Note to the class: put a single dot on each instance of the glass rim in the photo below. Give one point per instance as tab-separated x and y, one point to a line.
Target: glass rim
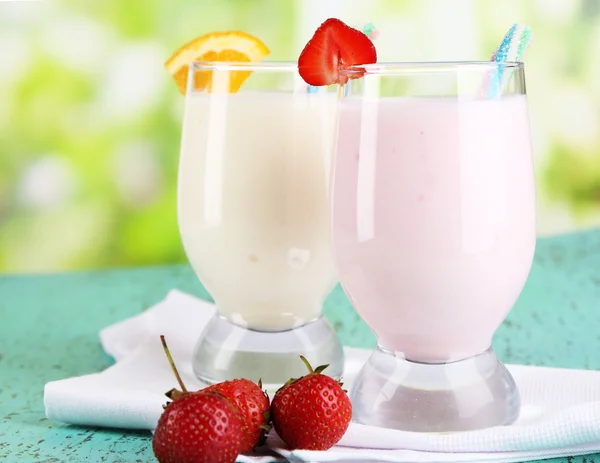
410	67
275	66
392	67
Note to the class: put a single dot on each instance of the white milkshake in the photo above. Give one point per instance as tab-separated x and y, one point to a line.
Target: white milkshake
253	203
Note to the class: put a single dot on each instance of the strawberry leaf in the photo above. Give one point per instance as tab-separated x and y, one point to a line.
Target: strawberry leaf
320	369
266	429
174	394
267	416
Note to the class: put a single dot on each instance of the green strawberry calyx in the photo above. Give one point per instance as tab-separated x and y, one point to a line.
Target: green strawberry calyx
311	371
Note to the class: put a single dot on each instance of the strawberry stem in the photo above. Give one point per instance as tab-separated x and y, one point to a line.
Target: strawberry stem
311	371
172	363
308	365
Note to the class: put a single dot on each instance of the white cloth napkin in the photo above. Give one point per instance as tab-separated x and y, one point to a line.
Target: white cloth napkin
560	412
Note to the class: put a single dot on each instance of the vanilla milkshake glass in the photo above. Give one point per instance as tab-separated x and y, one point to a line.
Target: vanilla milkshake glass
253	215
434	235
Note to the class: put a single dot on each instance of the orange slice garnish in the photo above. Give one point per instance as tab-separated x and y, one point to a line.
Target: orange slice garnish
216	46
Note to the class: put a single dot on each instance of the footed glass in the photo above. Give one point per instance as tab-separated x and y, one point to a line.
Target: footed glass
254	214
434	234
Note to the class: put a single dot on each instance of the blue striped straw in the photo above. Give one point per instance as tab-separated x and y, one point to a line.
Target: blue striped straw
516	41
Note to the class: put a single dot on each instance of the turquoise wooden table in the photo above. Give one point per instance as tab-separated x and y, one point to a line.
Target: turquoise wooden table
49	330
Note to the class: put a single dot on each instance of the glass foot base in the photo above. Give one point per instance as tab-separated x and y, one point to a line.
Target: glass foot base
227	351
474	393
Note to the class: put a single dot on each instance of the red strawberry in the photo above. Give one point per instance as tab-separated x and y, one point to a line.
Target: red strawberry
201	427
253	404
333	45
197	427
312	412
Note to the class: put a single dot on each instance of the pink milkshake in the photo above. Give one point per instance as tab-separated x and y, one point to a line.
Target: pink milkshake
434	226
433	234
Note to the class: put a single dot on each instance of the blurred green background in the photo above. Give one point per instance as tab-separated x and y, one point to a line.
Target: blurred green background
90	120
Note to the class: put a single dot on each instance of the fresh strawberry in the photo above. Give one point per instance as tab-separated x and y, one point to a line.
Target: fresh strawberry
334	45
312	412
199	427
253	404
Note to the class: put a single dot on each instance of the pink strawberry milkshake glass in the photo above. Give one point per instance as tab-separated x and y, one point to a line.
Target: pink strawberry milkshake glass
434	235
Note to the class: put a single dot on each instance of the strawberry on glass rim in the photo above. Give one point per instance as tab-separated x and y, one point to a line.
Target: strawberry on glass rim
334	46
